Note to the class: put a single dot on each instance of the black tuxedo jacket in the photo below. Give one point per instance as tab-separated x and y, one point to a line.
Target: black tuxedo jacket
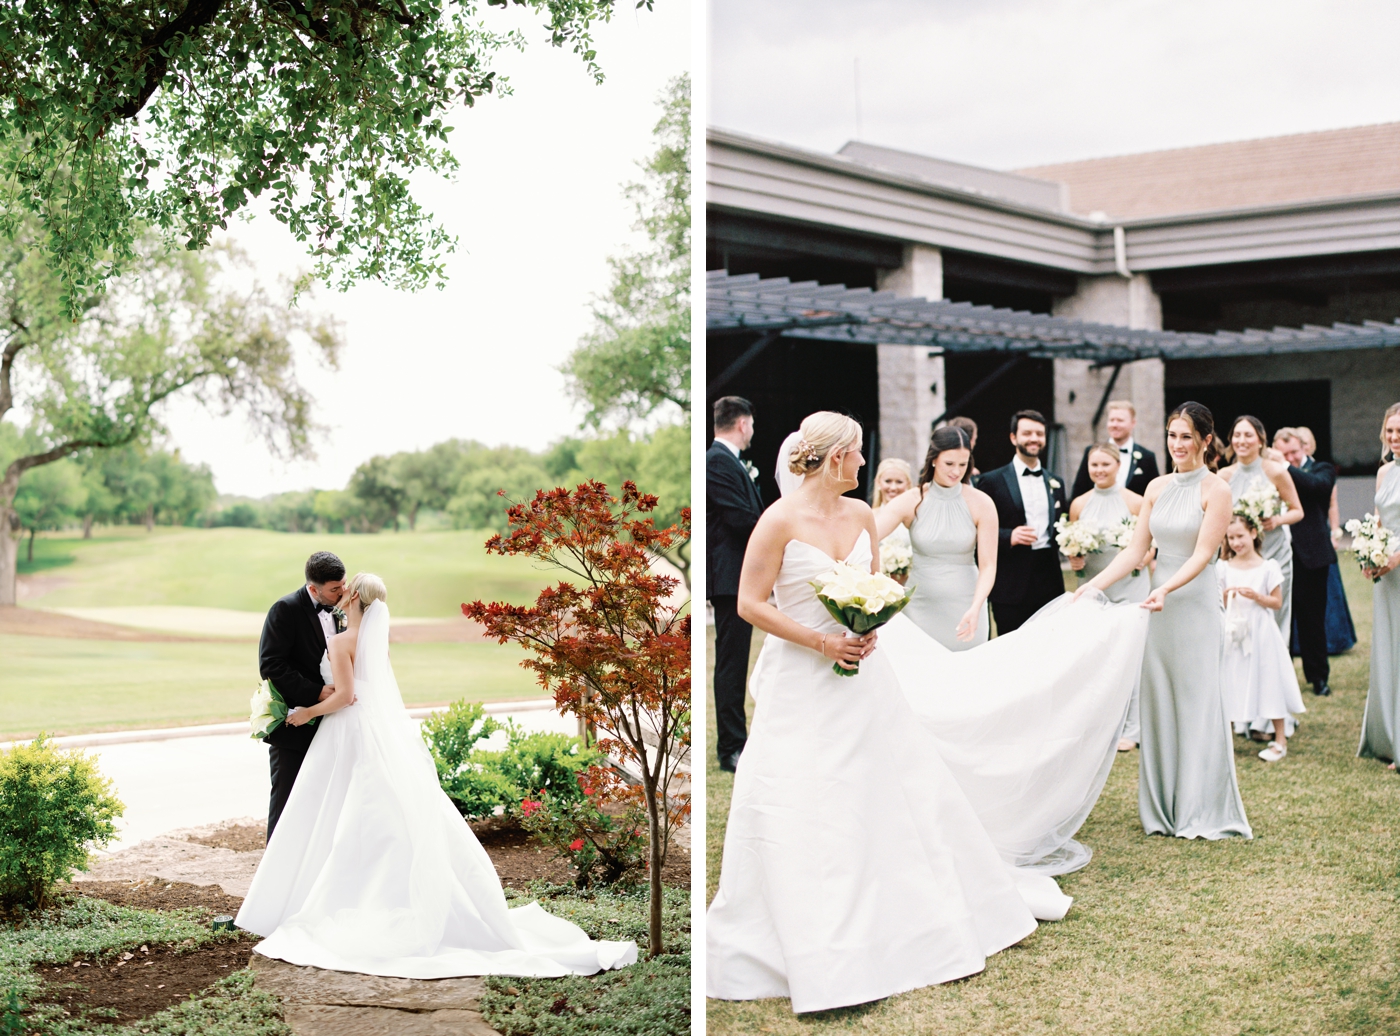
733	505
1312	537
1003	485
1144	471
289	654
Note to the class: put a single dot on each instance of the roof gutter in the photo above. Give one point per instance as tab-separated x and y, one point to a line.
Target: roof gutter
1120	253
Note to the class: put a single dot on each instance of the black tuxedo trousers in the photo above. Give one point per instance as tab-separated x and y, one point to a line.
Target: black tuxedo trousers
1044	583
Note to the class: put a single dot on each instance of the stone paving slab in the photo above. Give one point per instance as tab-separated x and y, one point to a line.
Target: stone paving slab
174	859
341	1002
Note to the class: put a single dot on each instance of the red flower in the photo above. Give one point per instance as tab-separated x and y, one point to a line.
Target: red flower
576	845
528	808
587	791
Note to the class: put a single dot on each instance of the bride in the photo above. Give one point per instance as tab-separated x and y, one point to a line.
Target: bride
879	839
371	868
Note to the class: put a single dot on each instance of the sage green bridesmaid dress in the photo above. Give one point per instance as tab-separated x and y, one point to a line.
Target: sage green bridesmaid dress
1186	783
944	570
1278	543
1106	507
1380	727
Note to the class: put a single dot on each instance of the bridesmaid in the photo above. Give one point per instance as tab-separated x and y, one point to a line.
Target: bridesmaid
953	530
1380	727
1186	783
892	479
1108	504
1251	471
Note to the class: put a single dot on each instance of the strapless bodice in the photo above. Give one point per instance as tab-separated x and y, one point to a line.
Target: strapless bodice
802	563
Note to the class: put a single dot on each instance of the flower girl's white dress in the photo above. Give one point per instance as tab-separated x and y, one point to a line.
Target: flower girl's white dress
1256	674
372	869
878	820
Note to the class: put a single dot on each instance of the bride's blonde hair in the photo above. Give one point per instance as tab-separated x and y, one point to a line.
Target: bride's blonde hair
822	434
370	588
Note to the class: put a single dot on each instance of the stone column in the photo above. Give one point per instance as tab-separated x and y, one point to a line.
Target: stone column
912	386
1129	303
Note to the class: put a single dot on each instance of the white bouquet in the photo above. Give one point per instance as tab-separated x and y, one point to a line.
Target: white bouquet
1123	535
1373	543
1076	539
860	600
268	711
895	557
1261	503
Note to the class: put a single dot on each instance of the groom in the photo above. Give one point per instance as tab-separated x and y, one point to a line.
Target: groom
1028	501
294	637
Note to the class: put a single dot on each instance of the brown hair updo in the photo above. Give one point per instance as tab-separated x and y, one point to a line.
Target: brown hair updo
949	437
1202	423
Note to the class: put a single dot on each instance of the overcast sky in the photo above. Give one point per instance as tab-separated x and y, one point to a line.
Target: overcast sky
1012	83
537	208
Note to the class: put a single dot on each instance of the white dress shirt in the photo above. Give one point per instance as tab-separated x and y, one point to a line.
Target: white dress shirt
1126	464
327	619
1035	498
729	446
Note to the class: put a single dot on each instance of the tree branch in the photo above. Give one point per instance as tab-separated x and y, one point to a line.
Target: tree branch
197	14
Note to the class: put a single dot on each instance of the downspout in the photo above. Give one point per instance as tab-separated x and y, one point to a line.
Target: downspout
1120	253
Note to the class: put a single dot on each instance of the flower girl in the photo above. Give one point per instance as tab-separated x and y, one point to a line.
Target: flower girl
1257	677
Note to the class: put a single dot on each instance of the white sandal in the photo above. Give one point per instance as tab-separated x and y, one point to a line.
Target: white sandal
1274	752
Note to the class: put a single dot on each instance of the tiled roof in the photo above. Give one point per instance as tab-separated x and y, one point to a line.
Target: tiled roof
1275	170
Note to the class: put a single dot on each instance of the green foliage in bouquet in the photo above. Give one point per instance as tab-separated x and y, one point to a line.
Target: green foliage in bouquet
484	783
53	804
861	601
600	831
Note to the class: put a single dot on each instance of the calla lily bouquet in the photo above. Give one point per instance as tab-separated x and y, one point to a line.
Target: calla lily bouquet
860	600
268	711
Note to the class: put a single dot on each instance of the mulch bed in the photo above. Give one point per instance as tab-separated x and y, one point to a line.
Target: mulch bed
148	982
519	861
241	838
158	895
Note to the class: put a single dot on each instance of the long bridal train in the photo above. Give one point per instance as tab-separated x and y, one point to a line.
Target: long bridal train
372	869
857	861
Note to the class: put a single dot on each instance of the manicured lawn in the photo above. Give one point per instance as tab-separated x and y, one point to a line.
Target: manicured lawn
75	686
428	573
1297	931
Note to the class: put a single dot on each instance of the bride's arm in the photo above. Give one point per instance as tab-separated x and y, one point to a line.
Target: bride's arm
763	559
343	669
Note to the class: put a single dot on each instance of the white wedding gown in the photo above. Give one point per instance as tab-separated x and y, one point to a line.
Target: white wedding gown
372	869
893	829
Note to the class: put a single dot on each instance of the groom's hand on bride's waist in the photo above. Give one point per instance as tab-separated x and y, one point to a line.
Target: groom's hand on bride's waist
326	692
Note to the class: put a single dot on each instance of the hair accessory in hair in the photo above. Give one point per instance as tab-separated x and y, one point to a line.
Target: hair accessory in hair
805	453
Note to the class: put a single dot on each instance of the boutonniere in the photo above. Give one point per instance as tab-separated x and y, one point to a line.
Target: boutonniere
1137	455
1054	483
338	617
749	467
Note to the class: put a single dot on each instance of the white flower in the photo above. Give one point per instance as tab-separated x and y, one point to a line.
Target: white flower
1076	539
847	586
1054	483
1260	504
1123	535
1372	542
895	557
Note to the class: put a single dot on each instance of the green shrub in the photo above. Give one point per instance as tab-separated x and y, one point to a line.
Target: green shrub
53	805
484	783
600	832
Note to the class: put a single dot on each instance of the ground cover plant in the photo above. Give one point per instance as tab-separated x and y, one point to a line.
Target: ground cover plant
1297	931
651	997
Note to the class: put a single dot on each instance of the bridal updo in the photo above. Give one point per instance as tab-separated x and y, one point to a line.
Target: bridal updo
370	588
822	434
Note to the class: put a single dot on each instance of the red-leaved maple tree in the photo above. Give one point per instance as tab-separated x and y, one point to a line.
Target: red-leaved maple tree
611	643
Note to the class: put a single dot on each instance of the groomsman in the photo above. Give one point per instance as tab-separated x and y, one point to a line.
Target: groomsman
1313	555
1028	501
1138	464
733	505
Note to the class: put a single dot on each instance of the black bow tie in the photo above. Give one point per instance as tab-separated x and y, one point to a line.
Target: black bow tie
1032	473
324	607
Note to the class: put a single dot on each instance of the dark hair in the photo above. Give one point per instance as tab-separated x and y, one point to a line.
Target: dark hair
728	410
1202	422
949	437
324	567
967	424
1249	524
1229	448
1029	415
